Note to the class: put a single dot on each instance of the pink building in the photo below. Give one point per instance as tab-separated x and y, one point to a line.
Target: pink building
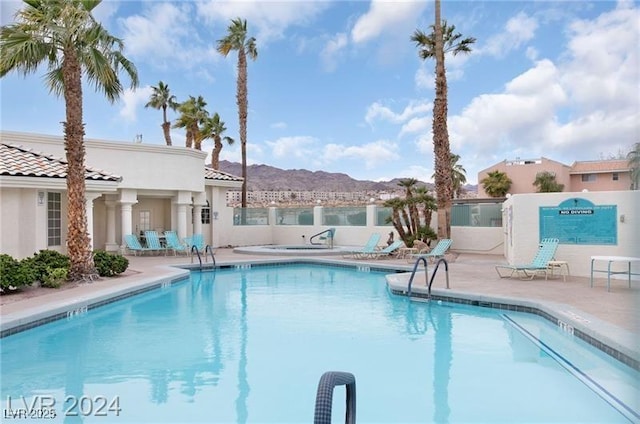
597	175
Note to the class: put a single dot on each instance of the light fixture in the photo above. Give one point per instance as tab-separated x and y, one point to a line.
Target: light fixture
41	197
215	215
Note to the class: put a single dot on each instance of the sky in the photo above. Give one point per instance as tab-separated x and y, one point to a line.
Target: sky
338	85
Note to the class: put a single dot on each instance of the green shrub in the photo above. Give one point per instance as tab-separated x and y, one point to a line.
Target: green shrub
55	277
14	274
109	264
45	260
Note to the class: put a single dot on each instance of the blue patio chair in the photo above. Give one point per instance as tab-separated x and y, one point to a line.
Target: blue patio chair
174	244
368	250
539	264
196	240
437	252
388	251
134	246
153	241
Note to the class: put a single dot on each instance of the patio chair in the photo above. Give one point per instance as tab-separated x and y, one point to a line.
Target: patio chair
196	240
539	264
153	241
389	250
437	252
367	250
134	246
174	243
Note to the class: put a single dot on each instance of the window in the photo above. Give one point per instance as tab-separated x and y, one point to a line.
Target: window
205	214
616	176
54	219
145	221
586	178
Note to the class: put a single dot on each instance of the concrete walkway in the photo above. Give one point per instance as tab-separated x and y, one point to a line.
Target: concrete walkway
613	314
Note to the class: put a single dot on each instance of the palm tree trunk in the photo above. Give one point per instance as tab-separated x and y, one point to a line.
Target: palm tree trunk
78	242
166	127
441	135
242	117
215	155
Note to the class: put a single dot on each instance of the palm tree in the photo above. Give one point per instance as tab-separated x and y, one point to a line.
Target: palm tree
65	35
409	185
192	115
458	175
441	40
161	98
496	184
236	39
546	183
634	166
405	212
214	128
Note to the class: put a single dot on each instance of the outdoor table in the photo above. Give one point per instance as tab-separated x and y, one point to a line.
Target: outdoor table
610	260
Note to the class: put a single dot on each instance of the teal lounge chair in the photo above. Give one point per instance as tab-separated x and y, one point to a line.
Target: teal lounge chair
368	250
134	246
174	243
437	252
196	240
153	241
539	264
388	251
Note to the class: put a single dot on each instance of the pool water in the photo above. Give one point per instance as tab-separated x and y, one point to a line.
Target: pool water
250	345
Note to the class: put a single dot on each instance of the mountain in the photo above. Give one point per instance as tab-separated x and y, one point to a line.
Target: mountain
265	177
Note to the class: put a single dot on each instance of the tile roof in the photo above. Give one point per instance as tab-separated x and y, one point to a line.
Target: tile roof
214	174
596	166
19	161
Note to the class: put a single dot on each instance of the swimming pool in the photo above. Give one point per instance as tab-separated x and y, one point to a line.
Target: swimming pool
249	344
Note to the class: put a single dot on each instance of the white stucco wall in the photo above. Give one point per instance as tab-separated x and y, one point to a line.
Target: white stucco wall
522	233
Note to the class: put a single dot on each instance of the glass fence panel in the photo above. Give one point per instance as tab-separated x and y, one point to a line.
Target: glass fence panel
354	216
477	215
250	216
382	214
294	216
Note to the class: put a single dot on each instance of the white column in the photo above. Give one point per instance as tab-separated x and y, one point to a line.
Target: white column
88	201
197	219
111	245
181	212
126	218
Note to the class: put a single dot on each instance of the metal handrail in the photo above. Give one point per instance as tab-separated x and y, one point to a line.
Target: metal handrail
324	396
427	282
330	232
413	273
209	249
194	247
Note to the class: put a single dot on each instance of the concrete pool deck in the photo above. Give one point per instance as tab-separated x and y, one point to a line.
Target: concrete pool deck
611	317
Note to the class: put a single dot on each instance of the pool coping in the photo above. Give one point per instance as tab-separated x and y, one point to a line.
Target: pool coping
617	342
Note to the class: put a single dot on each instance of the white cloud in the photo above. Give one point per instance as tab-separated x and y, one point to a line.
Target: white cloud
267	20
417	125
377	111
372	154
163	35
425	79
131	100
386	17
332	50
518	30
297	146
279	125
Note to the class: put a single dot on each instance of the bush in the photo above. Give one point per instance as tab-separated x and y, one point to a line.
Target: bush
45	260
109	264
14	274
55	277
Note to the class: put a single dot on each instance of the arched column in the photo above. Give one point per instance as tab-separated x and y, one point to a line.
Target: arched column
89	198
111	245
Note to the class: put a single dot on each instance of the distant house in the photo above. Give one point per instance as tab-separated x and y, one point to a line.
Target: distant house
600	175
522	173
145	187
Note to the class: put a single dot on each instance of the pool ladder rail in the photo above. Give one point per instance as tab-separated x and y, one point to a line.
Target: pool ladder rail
326	236
426	275
208	249
324	396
